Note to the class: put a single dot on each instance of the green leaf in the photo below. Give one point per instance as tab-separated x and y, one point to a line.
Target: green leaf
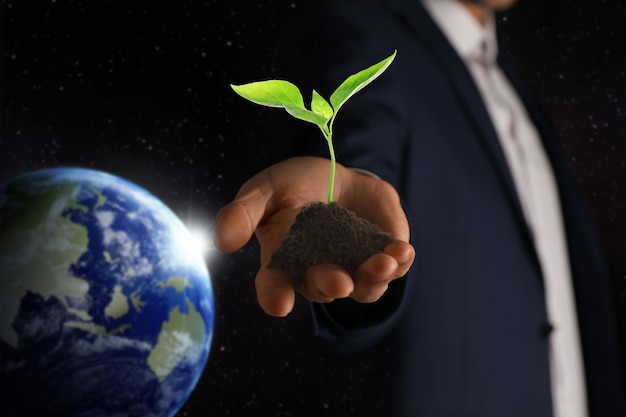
307	116
280	93
358	81
320	106
271	93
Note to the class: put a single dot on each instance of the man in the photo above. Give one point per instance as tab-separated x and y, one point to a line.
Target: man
507	309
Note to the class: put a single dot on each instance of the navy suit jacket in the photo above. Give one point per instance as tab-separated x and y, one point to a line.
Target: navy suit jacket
469	320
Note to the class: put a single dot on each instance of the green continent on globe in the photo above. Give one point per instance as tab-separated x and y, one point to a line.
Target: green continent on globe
178	283
118	306
29	246
180	338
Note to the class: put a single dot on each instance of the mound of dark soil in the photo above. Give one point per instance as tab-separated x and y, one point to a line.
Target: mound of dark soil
328	234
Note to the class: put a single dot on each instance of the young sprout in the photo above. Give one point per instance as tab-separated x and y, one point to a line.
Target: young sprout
280	93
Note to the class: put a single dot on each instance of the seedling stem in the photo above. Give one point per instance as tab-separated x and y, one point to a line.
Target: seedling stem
280	93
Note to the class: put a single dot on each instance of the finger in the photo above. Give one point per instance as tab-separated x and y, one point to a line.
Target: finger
325	283
275	292
233	228
404	254
236	222
373	276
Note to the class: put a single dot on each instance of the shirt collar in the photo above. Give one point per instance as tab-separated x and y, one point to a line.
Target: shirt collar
469	39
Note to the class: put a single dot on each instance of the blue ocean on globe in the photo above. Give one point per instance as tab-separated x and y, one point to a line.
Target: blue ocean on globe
105	309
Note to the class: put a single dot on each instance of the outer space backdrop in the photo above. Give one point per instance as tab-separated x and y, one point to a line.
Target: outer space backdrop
140	89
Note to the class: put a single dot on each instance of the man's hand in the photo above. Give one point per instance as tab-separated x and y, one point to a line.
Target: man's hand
267	205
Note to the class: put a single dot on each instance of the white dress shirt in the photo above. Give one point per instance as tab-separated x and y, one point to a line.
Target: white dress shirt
536	188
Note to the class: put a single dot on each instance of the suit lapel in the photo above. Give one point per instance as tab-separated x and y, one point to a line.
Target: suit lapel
430	36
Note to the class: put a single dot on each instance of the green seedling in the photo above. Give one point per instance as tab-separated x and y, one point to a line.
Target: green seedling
283	94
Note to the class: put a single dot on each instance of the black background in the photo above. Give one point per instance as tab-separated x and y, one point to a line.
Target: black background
140	89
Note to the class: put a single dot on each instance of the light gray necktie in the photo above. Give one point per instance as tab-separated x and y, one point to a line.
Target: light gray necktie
524	190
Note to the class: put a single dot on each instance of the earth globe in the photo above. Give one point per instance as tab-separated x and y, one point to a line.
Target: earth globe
105	309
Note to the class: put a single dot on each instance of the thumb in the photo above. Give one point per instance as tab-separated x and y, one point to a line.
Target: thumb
237	221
